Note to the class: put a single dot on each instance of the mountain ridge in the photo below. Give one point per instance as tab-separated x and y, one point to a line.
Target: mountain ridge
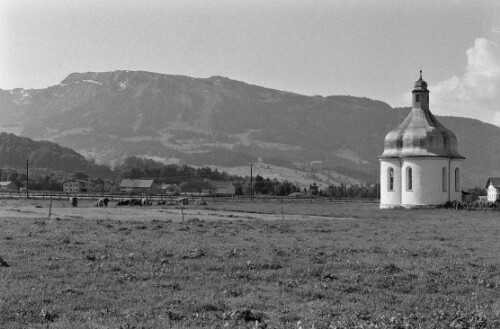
219	121
15	150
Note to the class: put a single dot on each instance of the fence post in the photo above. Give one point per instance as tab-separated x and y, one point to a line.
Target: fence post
50	208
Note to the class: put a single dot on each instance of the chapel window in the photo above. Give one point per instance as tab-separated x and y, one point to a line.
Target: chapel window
457	179
445	180
409	179
391	179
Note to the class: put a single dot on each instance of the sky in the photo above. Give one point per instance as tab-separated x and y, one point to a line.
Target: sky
363	48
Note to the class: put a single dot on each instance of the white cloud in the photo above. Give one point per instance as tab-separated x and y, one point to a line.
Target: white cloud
475	94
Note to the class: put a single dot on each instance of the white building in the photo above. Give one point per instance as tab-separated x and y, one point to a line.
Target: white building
493	188
420	165
8	186
76	186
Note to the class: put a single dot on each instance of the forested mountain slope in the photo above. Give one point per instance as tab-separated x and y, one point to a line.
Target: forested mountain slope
218	121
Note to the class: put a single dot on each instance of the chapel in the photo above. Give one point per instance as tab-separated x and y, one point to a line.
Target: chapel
420	165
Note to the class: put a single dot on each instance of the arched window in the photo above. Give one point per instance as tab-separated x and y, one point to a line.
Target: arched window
457	179
409	179
390	176
445	180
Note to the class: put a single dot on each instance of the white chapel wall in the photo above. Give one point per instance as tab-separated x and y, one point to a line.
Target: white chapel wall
427	182
390	198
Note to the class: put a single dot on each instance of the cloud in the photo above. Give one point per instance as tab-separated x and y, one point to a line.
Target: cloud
475	94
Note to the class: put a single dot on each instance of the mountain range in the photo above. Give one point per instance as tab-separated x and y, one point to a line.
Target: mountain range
218	121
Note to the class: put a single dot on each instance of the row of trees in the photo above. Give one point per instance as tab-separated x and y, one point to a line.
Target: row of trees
47	182
137	168
263	186
352	191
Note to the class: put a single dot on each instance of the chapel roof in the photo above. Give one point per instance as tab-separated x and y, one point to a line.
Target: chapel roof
420	134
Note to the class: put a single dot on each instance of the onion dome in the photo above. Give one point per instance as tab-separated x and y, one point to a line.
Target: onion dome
421	134
420	84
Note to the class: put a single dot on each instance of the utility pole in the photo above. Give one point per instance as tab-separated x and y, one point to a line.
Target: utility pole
251	183
27	189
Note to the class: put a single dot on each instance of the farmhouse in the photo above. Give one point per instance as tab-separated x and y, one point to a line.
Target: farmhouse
493	188
76	186
208	187
420	165
171	189
137	186
221	187
8	186
196	187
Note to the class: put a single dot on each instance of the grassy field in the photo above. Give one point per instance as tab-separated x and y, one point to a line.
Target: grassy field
247	265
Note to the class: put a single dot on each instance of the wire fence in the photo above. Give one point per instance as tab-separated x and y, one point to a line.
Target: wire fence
55	195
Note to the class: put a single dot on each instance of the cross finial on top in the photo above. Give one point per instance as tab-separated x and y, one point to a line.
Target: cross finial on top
420	74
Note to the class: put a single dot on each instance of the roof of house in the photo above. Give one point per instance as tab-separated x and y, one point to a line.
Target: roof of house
221	184
145	183
495	181
166	185
194	186
77	180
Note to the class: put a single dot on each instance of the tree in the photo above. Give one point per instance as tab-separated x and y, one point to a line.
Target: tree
476	192
259	185
80	175
286	188
13	176
313	189
238	187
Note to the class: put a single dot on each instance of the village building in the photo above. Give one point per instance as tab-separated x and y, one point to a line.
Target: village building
221	187
493	188
207	187
76	186
420	165
8	186
195	188
170	189
137	186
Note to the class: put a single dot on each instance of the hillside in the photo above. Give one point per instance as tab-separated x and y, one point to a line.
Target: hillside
222	122
15	150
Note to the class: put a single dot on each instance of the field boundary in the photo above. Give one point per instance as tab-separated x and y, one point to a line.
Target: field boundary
33	194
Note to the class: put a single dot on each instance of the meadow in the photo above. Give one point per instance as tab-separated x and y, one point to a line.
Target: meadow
247	265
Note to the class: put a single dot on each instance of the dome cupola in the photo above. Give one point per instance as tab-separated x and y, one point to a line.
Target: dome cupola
420	134
420	84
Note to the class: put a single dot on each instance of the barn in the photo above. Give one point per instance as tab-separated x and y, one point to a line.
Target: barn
137	186
196	187
208	187
222	187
